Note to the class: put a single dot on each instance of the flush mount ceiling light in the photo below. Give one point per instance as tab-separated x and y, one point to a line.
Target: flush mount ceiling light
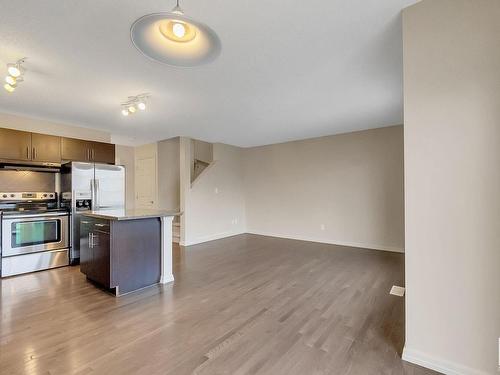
134	103
15	75
174	39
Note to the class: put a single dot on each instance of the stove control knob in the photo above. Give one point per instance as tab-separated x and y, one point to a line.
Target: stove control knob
12	195
45	195
4	196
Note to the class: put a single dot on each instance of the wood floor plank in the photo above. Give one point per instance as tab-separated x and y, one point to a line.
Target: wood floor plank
242	305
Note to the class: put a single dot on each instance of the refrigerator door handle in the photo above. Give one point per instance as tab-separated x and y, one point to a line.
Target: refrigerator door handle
96	193
92	195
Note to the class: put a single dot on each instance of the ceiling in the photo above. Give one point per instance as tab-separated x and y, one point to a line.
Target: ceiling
288	69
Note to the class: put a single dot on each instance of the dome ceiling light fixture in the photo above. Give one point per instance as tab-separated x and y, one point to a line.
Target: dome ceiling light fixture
172	38
15	75
134	103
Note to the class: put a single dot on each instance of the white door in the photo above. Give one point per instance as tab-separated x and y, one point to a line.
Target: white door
145	181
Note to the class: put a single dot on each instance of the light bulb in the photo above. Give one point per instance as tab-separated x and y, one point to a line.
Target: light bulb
141	106
124	112
131	109
9	88
10	80
179	30
14	71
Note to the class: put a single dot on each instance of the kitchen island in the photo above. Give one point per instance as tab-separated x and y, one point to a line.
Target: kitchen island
126	250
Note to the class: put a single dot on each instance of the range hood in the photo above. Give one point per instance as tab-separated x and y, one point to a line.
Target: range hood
30	166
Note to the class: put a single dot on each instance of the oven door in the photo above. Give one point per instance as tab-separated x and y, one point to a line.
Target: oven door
24	234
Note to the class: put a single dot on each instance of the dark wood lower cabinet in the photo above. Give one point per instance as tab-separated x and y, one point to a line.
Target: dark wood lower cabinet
123	255
86	252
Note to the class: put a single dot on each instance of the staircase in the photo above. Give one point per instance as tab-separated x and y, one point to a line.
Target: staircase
176	232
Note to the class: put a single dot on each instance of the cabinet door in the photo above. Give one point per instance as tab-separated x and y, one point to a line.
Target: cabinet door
15	145
75	149
103	152
101	264
46	148
86	252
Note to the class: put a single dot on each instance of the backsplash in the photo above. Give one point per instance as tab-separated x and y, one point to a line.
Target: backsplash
26	181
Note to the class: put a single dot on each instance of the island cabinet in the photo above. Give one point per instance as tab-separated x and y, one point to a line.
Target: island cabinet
121	255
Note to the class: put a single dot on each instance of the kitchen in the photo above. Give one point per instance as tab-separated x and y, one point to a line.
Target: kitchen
50	188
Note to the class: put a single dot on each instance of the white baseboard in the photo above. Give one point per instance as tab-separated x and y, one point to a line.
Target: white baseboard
167	279
436	364
330	242
211	237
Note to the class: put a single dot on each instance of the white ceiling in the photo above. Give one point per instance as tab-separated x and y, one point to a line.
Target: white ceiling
288	69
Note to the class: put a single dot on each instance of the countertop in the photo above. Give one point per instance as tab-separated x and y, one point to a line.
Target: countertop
129	214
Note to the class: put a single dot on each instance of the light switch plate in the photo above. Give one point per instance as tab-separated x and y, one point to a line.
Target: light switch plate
397	291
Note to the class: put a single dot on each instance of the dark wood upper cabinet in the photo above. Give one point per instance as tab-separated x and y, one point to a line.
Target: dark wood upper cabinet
103	152
75	149
15	145
45	148
80	150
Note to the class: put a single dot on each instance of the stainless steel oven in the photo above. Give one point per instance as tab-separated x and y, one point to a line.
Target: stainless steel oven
31	233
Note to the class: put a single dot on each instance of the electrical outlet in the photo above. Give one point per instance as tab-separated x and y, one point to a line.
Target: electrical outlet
216	190
322	226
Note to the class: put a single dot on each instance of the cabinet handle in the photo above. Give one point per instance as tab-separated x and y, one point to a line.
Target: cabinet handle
93	154
27	152
34	153
90	240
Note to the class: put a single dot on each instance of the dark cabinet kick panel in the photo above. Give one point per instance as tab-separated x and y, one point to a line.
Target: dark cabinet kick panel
125	255
15	145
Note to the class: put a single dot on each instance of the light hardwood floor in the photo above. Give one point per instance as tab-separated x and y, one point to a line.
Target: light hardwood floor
242	305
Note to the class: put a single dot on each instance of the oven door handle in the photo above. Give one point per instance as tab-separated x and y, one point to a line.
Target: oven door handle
35	216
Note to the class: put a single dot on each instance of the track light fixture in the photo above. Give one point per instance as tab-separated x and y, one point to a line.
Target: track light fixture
134	103
15	75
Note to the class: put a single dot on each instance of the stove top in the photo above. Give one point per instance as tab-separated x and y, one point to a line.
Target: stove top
7	212
28	203
27	196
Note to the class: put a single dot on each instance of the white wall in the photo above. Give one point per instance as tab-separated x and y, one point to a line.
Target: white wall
125	155
343	189
52	128
214	205
452	179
